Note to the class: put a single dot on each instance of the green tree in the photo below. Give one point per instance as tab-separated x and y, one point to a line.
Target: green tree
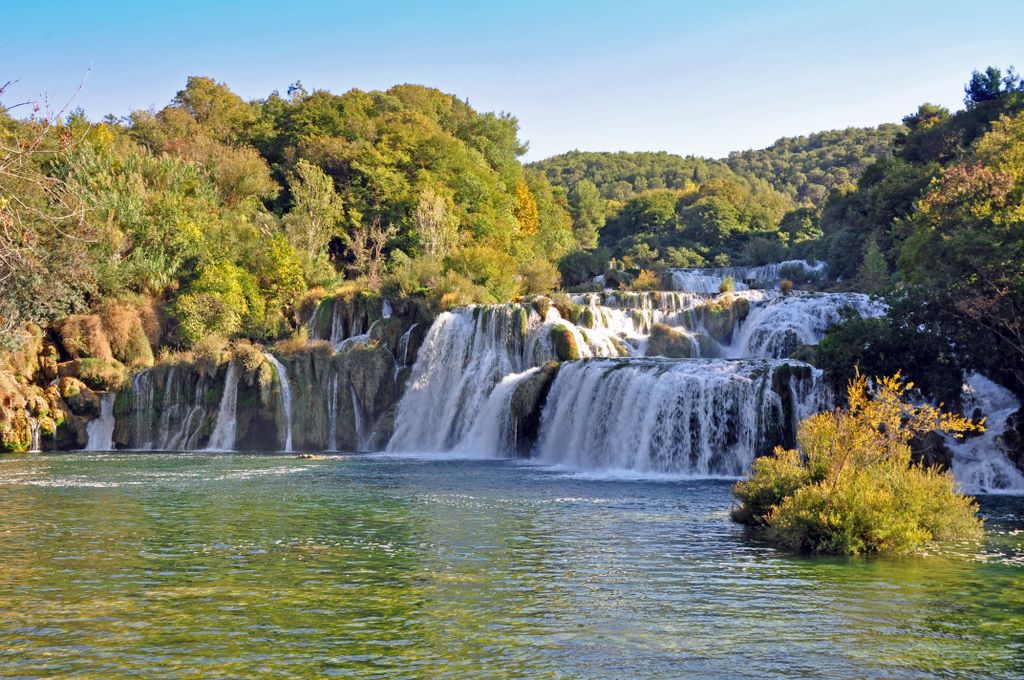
222	113
873	275
587	210
315	218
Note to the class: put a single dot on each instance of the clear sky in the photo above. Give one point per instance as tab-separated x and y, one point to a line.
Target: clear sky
699	78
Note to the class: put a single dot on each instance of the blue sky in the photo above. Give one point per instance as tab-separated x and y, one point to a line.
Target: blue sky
687	77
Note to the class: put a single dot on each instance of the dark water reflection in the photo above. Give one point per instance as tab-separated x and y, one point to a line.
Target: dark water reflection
213	566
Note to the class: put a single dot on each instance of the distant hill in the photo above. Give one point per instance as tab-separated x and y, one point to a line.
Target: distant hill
621	175
805	168
809	167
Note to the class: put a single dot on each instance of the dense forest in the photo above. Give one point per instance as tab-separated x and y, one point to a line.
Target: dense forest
660	209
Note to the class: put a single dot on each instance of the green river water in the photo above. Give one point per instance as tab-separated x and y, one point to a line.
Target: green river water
195	565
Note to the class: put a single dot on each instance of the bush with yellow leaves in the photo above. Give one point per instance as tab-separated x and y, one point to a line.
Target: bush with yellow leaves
852	488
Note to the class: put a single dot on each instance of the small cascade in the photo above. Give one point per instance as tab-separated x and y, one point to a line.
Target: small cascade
100	430
709	279
699	281
690	417
223	437
332	413
385	310
167	409
35	430
142	393
980	463
286	399
363	432
778	324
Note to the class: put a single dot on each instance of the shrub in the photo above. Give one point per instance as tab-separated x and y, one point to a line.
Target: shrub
728	285
248	355
129	342
83	337
851	488
209	352
645	280
539	276
786	286
101	374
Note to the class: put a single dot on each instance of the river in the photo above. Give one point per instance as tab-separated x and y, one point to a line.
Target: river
212	565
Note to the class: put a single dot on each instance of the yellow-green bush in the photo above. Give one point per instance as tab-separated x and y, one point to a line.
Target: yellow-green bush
83	337
101	374
851	488
129	341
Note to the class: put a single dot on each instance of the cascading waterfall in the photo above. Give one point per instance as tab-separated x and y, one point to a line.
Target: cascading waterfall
493	432
692	417
168	418
778	324
143	392
286	399
476	385
979	463
696	281
100	430
465	353
223	436
709	279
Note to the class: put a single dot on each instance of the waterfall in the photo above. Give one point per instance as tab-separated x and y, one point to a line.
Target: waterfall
35	435
332	414
171	417
493	431
778	324
223	437
465	353
286	399
143	391
100	430
709	279
696	281
692	417
403	347
362	431
979	462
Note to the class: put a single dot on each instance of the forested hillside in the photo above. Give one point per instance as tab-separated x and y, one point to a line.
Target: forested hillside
808	168
220	214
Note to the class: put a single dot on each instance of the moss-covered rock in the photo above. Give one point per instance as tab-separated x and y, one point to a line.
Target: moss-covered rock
564	343
721	316
125	332
79	397
526	405
541	305
99	374
665	341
